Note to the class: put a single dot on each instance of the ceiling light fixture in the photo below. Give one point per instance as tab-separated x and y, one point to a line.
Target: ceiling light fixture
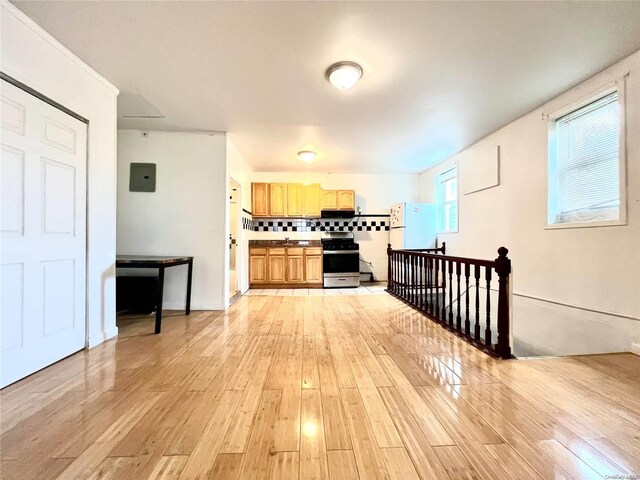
344	75
307	156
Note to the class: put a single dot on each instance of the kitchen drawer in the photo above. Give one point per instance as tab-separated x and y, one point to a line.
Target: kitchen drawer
258	251
276	251
314	251
295	251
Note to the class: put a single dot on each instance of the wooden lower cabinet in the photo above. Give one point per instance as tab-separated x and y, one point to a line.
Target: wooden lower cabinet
276	268
295	269
294	266
313	266
258	269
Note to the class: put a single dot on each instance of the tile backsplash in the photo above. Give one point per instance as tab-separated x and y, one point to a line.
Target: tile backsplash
364	223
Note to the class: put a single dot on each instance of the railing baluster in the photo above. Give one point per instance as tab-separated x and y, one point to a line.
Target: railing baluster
395	272
487	330
425	274
416	289
477	324
444	291
467	323
406	275
427	287
436	280
451	293
411	274
421	263
415	279
458	317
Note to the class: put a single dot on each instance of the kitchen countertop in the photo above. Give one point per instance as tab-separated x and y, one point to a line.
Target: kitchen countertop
285	243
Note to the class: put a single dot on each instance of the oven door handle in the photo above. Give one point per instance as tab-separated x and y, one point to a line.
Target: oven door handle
341	252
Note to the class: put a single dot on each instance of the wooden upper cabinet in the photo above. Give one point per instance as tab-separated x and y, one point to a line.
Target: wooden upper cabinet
346	200
277	199
260	199
329	199
312	200
295	200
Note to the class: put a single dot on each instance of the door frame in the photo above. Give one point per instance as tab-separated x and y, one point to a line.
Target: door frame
239	240
62	108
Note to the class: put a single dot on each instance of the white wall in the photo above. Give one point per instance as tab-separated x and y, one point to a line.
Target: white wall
375	194
186	215
36	59
593	268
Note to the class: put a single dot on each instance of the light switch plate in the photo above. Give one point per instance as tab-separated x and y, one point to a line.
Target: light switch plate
142	177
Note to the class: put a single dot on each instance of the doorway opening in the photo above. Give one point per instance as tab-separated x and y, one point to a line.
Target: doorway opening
234	216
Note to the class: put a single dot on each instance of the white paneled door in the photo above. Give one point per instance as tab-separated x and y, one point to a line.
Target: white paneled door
42	276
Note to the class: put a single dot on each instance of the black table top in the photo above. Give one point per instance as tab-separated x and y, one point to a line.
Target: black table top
150	260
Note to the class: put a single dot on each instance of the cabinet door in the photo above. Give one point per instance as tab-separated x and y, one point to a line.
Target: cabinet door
257	269
295	268
259	199
346	200
329	199
277	199
295	200
276	268
312	200
313	265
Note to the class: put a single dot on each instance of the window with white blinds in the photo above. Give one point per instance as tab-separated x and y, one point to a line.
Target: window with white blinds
584	164
447	201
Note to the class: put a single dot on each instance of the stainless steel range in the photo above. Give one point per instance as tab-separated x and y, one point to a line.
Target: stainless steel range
340	261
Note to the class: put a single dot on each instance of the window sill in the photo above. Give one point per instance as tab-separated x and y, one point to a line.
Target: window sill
444	232
604	223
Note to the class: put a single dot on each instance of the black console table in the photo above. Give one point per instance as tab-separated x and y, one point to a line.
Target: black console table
148	261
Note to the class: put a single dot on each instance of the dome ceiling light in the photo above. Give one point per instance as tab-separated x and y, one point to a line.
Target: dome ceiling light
344	75
307	156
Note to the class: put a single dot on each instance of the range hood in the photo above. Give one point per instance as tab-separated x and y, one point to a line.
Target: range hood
337	213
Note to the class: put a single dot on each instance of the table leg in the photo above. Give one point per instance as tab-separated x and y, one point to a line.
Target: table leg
159	300
189	276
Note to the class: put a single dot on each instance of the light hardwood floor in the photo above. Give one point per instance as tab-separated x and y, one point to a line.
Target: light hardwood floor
335	387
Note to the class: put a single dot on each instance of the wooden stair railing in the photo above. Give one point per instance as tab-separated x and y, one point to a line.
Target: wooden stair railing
430	281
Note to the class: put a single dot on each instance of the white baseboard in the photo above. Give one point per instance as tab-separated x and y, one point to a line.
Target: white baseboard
635	348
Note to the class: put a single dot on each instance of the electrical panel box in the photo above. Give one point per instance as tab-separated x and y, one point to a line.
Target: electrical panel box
142	177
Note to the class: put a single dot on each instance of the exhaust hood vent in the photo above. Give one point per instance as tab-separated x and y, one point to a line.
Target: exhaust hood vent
337	214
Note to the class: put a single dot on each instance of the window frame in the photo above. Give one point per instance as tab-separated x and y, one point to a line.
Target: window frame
615	86
440	203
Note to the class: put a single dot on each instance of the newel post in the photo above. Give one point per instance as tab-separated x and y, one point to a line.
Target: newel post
389	279
503	269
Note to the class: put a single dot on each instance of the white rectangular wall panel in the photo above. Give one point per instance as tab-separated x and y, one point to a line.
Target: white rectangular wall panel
480	170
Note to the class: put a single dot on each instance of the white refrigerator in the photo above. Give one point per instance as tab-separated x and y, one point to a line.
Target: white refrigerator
413	225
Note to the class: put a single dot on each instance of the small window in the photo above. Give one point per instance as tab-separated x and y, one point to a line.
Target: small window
447	200
585	164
